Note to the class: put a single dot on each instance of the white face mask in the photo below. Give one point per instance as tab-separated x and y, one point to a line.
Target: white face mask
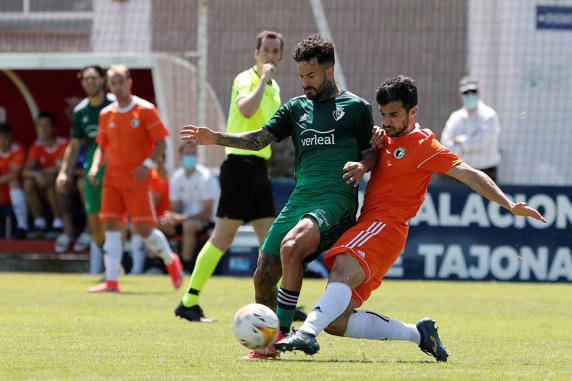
470	101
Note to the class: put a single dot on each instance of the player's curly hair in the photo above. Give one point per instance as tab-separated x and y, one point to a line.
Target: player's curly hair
314	46
400	88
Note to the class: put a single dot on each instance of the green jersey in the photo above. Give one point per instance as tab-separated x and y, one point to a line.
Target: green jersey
85	123
326	135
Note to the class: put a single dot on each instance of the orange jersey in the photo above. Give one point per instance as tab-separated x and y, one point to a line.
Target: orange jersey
127	136
47	157
13	157
399	181
159	188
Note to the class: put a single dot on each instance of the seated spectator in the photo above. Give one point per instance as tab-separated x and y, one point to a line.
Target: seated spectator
40	170
193	192
12	157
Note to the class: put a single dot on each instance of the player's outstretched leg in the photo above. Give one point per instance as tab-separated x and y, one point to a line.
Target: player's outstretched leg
430	341
299	341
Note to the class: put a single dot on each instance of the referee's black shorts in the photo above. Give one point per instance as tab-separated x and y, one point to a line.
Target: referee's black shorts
246	191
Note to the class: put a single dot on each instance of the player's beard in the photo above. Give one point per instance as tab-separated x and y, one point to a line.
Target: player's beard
321	92
314	94
94	92
396	132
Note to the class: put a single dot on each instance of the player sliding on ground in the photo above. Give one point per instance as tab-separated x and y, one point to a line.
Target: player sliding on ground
362	256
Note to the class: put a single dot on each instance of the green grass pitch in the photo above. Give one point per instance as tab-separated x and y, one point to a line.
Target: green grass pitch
51	329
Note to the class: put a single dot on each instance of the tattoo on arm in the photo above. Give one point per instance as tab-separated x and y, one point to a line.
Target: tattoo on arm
255	140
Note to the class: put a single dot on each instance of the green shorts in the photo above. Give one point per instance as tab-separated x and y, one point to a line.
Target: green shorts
93	193
334	215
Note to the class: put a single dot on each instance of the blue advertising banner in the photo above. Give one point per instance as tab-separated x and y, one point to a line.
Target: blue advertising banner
458	234
553	17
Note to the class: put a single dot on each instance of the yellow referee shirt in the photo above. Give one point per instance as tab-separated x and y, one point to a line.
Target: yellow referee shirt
244	84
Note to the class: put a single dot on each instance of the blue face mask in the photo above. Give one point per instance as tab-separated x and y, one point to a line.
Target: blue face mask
190	161
470	101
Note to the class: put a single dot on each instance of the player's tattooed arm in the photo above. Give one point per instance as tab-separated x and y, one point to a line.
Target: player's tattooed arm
254	140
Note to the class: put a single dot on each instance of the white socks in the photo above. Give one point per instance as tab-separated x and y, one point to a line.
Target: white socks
370	325
361	324
159	244
20	207
332	304
113	248
137	254
95	258
40	223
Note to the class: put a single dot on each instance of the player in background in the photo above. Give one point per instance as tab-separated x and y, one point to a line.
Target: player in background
85	124
39	174
328	127
362	256
246	191
12	156
131	139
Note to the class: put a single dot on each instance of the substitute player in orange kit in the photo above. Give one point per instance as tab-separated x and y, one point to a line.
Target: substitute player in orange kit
361	257
131	139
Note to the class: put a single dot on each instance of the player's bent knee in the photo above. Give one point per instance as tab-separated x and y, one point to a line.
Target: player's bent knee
290	252
337	327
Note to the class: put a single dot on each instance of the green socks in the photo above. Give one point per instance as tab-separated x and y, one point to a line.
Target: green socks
206	263
287	300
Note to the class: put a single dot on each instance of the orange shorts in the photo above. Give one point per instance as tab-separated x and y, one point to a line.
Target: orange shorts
376	246
137	202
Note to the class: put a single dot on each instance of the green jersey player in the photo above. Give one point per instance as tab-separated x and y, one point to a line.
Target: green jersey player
329	128
85	122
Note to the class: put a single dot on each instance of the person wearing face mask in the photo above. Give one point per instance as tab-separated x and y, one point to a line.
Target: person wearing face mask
193	195
473	131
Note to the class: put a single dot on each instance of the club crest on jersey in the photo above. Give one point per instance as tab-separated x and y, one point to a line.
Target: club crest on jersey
134	123
111	124
338	113
399	153
303	118
85	119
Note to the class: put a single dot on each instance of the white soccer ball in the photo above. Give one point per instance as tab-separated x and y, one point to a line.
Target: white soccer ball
255	326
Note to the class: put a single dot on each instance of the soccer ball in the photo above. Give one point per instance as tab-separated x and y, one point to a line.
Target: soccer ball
255	326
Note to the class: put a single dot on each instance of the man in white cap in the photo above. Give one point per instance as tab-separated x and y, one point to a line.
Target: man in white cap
473	131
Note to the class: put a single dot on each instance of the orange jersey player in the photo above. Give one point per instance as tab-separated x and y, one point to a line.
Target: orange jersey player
12	157
363	254
131	138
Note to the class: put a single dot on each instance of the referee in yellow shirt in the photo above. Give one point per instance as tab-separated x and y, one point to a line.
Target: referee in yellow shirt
246	191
